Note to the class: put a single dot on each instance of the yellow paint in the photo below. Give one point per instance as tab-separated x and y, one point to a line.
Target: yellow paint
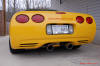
31	32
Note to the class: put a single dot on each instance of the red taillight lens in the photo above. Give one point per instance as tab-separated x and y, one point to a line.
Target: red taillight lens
79	19
89	20
22	18
38	18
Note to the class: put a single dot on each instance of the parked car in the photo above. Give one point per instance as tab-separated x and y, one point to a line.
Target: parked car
50	29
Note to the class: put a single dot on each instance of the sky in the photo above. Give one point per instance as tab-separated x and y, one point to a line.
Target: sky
0	4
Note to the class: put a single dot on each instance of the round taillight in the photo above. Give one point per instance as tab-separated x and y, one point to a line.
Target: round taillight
38	18
89	20
22	18
79	19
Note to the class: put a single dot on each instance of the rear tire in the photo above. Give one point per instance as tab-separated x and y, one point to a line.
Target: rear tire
14	51
76	47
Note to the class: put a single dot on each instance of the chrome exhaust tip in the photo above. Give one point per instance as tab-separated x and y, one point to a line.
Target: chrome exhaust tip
69	46
50	48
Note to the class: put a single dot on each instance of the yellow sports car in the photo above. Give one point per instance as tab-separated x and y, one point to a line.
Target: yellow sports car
50	29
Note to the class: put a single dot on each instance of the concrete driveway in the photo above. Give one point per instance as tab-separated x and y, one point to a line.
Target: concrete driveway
87	55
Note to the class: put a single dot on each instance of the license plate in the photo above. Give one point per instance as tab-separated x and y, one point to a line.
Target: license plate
60	29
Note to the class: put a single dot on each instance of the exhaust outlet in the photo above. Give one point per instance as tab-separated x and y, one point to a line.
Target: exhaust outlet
69	46
50	48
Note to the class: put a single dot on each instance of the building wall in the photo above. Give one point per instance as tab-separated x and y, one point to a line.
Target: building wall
67	5
92	7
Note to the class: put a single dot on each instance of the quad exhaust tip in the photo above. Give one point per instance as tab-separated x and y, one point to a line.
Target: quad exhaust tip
69	46
50	48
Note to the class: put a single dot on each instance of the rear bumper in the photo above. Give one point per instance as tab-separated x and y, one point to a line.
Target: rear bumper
33	37
37	43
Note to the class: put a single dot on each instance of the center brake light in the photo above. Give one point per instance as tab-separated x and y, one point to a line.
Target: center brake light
38	18
80	19
22	18
60	13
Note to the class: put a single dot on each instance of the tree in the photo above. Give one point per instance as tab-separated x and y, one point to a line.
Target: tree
27	4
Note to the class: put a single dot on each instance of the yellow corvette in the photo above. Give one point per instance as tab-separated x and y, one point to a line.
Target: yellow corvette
50	29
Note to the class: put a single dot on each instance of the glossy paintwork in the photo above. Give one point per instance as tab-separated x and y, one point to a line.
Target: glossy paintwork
31	32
